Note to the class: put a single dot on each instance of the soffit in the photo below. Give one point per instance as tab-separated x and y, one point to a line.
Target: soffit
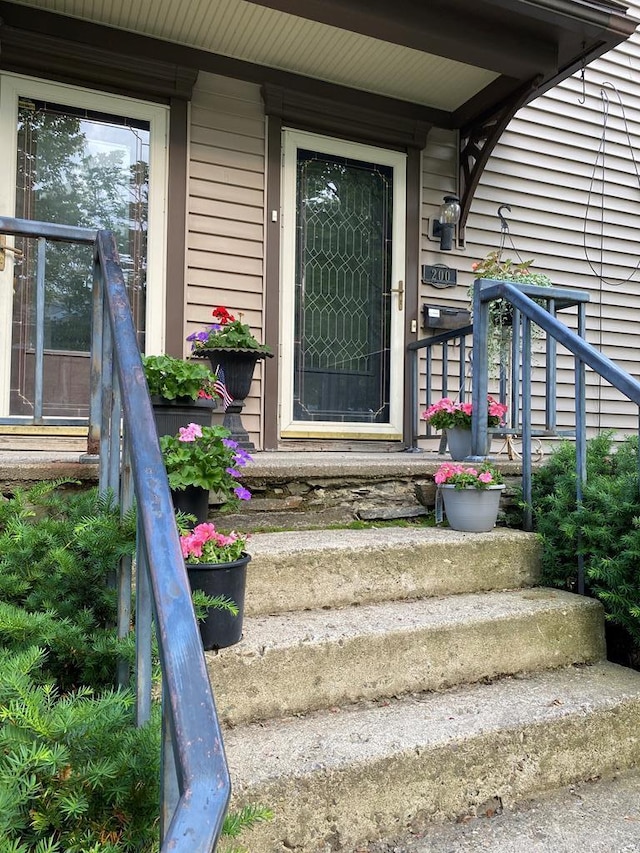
284	41
457	57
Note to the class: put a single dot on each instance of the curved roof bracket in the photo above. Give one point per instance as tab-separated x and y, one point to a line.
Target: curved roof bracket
477	141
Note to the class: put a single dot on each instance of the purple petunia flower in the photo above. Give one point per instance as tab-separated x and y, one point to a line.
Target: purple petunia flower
233	472
241	457
198	336
229	442
242	493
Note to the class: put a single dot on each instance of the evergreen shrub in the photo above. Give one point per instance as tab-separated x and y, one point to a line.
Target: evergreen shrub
605	529
76	774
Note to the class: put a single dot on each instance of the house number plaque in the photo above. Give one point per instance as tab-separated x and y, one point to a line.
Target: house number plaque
439	275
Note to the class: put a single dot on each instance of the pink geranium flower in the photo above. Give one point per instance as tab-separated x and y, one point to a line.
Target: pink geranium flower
461	476
445	414
190	432
205	544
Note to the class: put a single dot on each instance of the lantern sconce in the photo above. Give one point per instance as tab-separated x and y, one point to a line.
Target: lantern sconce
444	227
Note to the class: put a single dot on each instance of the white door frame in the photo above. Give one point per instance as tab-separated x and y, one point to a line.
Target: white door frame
288	427
13	86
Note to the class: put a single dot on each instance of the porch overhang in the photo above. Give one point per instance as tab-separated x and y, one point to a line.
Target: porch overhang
466	65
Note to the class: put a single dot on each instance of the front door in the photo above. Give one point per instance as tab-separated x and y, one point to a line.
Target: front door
343	271
83	159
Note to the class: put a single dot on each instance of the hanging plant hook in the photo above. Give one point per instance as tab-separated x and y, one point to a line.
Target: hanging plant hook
504	225
583	98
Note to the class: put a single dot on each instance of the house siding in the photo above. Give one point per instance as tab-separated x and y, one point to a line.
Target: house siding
548	167
225	241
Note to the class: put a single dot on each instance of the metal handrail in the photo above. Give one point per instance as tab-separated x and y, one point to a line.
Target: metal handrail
195	786
522	298
196	791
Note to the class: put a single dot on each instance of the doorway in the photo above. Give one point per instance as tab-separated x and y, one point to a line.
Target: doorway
342	306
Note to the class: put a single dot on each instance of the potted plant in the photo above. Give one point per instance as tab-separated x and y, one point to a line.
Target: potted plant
455	420
233	352
471	496
200	460
497	268
181	391
217	566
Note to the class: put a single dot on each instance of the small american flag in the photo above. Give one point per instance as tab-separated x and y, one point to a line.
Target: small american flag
221	389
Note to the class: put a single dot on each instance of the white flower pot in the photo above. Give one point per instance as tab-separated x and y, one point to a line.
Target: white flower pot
470	509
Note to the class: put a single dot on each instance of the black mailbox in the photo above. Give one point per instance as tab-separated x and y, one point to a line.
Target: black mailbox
444	317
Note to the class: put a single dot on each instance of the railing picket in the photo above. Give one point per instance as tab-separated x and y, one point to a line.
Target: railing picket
551	370
125	574
526	423
39	348
144	632
480	373
97	323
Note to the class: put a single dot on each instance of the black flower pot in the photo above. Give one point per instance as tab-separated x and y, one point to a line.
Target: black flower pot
237	367
170	415
221	628
193	500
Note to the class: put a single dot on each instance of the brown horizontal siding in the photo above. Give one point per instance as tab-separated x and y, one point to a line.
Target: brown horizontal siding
225	227
227	158
226	175
225	244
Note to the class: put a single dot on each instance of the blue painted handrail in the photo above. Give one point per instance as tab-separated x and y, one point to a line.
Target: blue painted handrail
521	297
196	786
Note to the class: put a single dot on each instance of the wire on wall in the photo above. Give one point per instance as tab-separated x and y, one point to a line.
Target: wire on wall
597	266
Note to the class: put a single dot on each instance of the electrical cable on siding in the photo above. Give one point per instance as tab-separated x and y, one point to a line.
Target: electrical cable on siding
602	153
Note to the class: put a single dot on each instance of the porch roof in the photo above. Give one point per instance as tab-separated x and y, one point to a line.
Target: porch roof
459	64
455	58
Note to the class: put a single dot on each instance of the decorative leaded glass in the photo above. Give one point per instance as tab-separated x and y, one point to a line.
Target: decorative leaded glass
343	283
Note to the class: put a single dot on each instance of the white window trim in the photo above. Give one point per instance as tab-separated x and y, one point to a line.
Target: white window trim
13	86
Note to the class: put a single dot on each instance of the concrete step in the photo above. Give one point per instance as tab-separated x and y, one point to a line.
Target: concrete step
297	662
339	778
332	568
600	816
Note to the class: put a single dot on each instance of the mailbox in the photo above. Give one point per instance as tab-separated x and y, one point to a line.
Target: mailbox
444	317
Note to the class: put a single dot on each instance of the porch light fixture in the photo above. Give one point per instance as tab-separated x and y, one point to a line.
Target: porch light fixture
444	227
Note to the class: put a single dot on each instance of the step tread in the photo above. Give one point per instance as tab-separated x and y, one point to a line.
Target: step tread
374	539
599	816
329	740
321	568
322	626
296	662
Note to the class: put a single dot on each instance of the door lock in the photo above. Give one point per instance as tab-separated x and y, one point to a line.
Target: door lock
400	291
4	249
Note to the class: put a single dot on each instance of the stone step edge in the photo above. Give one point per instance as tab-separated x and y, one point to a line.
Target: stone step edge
327	568
592	816
297	662
337	780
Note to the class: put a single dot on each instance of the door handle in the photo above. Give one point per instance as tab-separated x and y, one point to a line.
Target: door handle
400	291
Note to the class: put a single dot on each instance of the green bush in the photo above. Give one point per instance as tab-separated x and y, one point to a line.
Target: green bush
58	554
76	774
605	529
